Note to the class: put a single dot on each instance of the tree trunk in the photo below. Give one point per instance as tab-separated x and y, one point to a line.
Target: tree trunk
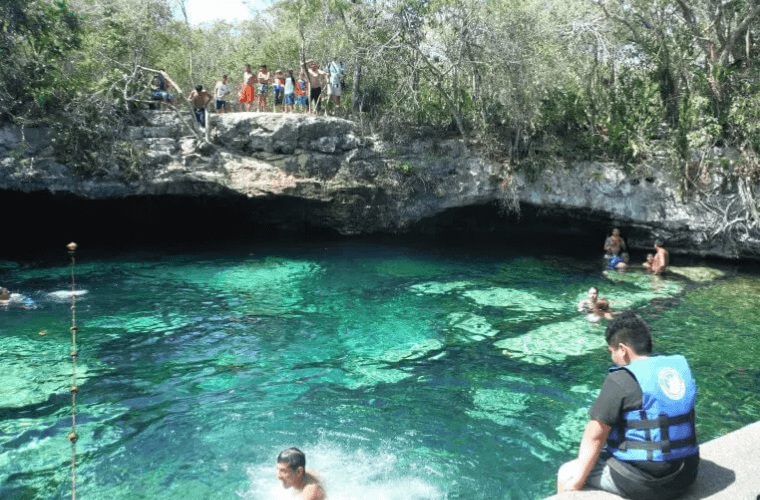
356	101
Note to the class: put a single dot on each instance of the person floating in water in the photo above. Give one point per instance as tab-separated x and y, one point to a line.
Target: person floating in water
640	441
8	300
593	307
292	473
614	244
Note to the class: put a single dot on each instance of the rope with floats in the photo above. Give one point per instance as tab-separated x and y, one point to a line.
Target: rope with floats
73	436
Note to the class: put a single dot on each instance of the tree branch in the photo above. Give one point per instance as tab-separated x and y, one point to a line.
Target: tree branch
738	34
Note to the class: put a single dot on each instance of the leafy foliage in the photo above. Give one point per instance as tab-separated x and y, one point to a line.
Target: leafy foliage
36	38
530	82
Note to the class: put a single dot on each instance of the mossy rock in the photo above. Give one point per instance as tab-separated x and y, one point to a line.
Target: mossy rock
698	274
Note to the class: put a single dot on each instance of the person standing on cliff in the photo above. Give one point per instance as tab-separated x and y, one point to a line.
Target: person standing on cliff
640	442
315	76
264	79
337	72
661	259
200	98
247	93
221	91
289	88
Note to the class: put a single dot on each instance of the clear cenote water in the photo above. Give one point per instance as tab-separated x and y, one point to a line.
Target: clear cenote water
404	374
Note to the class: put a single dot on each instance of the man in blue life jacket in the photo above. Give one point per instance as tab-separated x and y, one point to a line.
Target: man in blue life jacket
640	442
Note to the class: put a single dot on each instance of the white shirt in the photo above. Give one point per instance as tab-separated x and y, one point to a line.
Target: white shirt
221	90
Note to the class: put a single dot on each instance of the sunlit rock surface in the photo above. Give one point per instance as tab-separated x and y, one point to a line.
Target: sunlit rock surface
356	184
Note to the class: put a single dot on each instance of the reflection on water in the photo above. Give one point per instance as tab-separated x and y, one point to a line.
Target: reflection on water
402	375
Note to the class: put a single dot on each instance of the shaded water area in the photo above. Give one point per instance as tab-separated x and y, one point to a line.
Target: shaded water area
404	372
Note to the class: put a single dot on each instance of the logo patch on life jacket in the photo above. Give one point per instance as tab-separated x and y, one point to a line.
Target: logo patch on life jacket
671	383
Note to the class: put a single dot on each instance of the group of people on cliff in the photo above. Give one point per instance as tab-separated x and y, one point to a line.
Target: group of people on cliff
292	91
301	90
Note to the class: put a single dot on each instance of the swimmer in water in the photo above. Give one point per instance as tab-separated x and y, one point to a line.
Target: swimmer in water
588	305
648	263
291	471
594	307
8	300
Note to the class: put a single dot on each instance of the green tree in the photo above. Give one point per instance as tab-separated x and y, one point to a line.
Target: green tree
37	38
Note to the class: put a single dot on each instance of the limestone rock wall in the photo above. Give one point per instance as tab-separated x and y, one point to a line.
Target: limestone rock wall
649	208
357	184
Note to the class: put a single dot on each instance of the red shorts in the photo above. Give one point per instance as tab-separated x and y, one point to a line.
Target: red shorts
246	95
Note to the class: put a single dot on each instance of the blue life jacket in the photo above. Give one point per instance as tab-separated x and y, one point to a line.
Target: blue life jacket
662	430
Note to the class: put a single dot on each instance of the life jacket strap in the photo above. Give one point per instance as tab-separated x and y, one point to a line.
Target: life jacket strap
659	422
657	445
663	422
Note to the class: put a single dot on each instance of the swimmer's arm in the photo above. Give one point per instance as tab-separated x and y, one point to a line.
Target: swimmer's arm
313	492
592	443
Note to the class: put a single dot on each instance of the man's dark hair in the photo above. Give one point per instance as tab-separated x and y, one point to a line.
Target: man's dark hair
294	457
658	243
198	88
629	328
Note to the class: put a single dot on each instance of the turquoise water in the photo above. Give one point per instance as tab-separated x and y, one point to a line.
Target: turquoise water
403	373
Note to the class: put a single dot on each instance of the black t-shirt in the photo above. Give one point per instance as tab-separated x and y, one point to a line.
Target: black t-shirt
621	393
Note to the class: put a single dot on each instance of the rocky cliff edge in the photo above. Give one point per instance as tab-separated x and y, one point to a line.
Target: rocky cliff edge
364	185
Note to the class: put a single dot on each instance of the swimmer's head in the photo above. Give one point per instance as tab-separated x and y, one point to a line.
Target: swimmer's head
293	457
593	293
5	294
291	465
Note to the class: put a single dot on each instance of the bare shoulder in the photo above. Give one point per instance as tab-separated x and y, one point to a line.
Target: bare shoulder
313	489
313	492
